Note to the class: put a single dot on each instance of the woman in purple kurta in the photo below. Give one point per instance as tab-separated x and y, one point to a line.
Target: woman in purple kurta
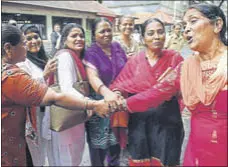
108	69
103	60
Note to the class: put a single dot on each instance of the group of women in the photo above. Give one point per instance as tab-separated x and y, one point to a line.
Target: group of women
134	94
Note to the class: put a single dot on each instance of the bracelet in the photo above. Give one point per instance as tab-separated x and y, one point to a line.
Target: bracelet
99	88
118	92
124	105
86	103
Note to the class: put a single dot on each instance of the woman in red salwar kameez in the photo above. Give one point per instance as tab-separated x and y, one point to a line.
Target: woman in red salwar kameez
156	135
202	80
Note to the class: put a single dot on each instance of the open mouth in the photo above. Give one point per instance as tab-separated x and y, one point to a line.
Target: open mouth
189	39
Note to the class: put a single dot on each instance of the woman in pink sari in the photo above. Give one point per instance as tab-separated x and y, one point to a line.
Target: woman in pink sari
156	135
202	79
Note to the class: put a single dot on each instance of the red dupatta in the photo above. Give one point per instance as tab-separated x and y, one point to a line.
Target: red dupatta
138	75
78	62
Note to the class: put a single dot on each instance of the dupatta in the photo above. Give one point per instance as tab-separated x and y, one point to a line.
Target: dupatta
193	89
138	75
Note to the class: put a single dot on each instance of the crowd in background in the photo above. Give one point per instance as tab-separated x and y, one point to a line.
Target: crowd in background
136	93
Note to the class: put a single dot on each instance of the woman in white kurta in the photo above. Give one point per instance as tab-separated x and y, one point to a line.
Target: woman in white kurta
38	66
69	145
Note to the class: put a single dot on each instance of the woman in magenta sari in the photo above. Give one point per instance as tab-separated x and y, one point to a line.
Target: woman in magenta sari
202	80
156	135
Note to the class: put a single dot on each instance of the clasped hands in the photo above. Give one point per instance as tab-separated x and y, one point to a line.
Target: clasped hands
112	102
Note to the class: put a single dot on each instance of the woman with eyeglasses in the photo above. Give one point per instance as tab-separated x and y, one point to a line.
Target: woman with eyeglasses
40	68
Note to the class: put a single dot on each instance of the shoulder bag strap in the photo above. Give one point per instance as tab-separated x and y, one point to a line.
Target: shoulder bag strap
75	66
78	73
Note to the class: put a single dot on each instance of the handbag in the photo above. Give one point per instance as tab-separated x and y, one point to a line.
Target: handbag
61	118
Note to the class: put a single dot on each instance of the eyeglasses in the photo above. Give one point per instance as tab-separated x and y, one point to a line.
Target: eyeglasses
29	38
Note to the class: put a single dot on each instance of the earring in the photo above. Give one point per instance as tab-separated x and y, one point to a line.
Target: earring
216	30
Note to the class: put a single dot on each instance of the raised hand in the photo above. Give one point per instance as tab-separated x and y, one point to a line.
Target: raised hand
50	67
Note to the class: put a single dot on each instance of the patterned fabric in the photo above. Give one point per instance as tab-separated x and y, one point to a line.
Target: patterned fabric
133	48
207	144
34	125
100	134
18	91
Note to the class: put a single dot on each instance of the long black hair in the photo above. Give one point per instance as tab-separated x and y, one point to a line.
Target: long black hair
10	34
65	32
41	58
212	12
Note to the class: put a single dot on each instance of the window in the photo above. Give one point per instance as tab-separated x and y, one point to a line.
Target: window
62	21
37	20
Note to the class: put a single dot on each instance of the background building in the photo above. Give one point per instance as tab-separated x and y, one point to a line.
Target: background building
174	9
44	14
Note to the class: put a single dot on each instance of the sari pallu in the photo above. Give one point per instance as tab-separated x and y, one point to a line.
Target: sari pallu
156	134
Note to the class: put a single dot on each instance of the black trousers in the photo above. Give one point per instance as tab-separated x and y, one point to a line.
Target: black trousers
97	156
28	157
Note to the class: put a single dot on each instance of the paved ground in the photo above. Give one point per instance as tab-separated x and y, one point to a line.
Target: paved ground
186	122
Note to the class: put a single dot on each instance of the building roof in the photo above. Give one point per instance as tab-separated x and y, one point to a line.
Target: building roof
143	16
84	6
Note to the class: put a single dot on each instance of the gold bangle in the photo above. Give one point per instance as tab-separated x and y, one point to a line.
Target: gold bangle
86	103
118	92
99	88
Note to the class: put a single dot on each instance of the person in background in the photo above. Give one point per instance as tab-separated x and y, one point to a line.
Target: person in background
155	134
20	91
69	145
40	68
55	39
137	36
104	60
126	40
175	40
12	22
202	80
131	48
